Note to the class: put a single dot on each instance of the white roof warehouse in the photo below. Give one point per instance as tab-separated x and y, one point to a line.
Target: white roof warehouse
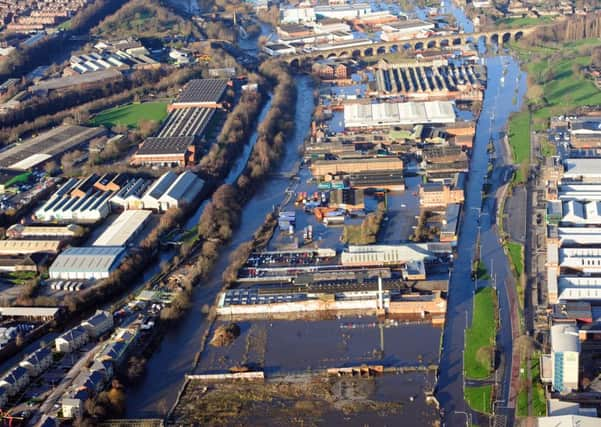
85	263
398	114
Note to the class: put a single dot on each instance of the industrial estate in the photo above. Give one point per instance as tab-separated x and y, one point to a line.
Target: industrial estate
308	213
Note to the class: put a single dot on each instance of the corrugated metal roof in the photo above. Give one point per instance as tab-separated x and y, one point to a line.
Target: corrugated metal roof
121	230
87	259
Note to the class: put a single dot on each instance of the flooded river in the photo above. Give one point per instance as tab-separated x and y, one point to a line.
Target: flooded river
333	342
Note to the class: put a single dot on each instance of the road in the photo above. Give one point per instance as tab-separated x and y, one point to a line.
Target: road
481	218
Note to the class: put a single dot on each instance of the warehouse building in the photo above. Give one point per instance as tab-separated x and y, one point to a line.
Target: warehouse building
578	236
434	194
572	288
21	247
585	133
172	191
450	224
347	198
48	145
381	180
583	260
581	213
186	122
201	93
20	231
77	201
320	168
130	195
588	192
171	151
565	355
87	263
584	170
397	114
385	255
124	229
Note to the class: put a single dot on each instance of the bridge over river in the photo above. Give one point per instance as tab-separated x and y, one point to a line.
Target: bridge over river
358	48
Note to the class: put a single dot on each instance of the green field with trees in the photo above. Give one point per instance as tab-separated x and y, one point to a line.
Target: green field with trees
132	115
556	58
480	336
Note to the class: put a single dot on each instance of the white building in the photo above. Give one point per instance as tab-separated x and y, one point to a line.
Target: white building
86	263
380	255
172	191
98	324
343	11
38	361
583	260
297	15
406	30
279	49
397	114
565	353
585	170
125	227
71	340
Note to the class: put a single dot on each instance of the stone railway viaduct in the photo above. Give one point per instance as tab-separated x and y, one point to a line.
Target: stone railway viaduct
381	47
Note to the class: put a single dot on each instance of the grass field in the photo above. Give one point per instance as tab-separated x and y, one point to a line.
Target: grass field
479	398
480	336
132	114
539	402
516	256
519	140
522	22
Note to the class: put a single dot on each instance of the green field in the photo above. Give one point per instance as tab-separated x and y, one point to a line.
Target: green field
131	115
480	336
516	257
539	402
479	398
522	22
519	140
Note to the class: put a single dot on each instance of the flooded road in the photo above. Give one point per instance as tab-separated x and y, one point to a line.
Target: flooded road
157	391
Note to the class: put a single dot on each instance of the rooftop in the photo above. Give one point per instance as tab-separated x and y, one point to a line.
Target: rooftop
202	90
87	258
165	145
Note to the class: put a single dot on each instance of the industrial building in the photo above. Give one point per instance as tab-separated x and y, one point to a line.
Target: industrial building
86	263
20	247
186	122
565	355
582	192
48	145
385	255
124	229
172	191
172	151
130	195
583	260
20	231
320	168
581	213
572	288
201	93
428	81
89	199
397	114
386	180
450	224
582	169
585	133
405	30
342	11
434	194
347	198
